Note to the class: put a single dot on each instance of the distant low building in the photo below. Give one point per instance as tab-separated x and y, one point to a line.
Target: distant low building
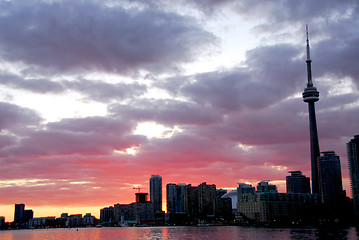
42	222
88	220
106	214
270	207
74	220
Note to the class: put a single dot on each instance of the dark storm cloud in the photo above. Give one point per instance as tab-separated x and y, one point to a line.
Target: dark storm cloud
75	35
13	117
167	112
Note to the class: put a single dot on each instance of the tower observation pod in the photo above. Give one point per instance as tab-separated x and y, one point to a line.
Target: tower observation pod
310	96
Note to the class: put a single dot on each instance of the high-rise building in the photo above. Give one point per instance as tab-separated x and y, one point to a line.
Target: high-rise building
156	193
330	178
353	160
192	204
310	96
206	201
297	183
264	186
176	198
176	203
19	212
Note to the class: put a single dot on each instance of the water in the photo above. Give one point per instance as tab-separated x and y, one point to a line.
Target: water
180	233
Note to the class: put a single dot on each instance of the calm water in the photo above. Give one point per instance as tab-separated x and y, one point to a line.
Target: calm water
231	232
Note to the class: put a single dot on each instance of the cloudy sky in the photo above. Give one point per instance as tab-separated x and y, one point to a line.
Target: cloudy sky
96	96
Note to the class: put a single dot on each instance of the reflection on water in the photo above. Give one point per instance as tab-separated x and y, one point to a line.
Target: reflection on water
166	233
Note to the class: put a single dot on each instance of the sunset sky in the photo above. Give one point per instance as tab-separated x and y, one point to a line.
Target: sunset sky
98	95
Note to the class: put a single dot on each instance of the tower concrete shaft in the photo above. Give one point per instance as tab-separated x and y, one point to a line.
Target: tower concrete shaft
310	96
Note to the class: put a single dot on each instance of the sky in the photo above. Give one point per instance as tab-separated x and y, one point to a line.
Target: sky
98	95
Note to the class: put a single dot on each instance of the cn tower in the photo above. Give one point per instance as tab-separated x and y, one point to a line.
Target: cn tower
310	96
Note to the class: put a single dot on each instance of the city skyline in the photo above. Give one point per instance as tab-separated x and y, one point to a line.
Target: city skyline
194	92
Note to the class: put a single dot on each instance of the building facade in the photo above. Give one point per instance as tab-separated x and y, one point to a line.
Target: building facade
206	201
353	161
330	179
156	193
297	183
106	214
19	212
264	186
271	207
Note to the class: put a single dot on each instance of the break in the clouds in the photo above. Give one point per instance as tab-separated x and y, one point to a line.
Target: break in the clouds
171	106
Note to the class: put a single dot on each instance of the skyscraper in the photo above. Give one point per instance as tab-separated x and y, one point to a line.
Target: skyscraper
330	178
297	183
206	201
156	192
353	160
176	198
19	212
310	96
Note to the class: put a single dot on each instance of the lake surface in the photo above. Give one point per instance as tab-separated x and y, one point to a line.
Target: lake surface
198	233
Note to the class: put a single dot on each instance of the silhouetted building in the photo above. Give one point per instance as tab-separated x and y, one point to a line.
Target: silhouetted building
264	186
75	220
330	178
353	161
310	96
192	204
297	183
42	222
223	206
19	212
106	214
144	212
88	220
233	195
28	214
141	197
2	222
124	214
272	207
206	201
156	192
176	203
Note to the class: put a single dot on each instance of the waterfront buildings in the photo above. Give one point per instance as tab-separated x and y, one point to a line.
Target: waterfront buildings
330	179
41	221
297	183
310	96
156	193
353	161
269	206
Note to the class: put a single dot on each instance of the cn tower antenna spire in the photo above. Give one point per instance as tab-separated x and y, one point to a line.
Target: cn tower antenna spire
309	61
308	50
